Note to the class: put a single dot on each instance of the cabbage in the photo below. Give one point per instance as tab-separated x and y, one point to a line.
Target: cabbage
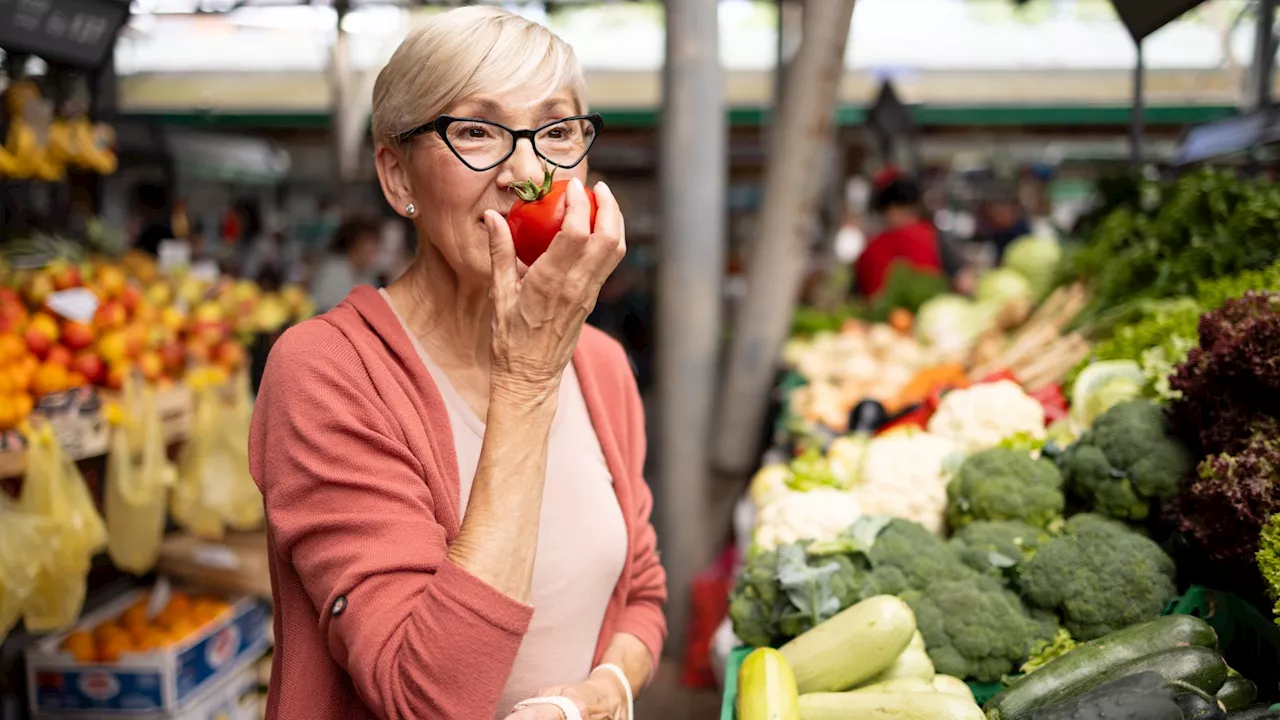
1037	260
1001	286
953	322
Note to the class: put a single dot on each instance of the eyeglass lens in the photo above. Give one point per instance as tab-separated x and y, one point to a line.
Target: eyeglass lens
482	145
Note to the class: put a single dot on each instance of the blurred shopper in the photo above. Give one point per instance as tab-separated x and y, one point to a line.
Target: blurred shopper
348	263
151	207
907	237
441	457
1004	221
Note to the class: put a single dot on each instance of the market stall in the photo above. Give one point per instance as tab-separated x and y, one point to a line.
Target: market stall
1054	497
125	398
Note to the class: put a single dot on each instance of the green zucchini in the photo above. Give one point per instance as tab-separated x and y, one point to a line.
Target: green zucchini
888	706
1256	711
1237	692
1200	707
851	647
1077	671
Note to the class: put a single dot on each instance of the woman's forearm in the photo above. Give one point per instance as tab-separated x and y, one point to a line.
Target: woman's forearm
629	653
498	539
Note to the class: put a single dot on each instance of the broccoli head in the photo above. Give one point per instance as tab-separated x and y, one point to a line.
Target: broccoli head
1128	459
756	602
994	546
1005	484
975	628
906	555
1099	575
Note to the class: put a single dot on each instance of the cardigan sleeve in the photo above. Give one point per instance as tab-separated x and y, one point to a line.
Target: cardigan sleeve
643	614
349	508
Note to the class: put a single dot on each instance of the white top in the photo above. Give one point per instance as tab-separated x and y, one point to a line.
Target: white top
582	539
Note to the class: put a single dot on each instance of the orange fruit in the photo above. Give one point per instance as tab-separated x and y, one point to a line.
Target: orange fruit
180	603
183	628
151	639
81	645
12	347
108	630
111	648
7	384
50	379
9	416
25	405
135	618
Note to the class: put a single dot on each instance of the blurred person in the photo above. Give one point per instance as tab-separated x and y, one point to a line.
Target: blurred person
1004	221
349	262
442	457
269	256
907	237
151	206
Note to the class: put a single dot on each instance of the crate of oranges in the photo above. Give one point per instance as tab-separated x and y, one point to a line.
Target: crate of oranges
127	658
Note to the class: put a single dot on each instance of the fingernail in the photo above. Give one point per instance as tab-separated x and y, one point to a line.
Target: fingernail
601	186
577	184
488	221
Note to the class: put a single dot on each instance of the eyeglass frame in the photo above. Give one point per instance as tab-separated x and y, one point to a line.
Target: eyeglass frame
442	123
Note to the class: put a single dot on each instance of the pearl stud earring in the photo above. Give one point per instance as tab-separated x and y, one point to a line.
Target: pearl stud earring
410	209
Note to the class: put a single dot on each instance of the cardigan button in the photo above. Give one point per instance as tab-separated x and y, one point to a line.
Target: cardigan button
339	605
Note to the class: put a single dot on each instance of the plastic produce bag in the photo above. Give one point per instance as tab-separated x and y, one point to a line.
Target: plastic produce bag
214	488
24	553
134	497
55	490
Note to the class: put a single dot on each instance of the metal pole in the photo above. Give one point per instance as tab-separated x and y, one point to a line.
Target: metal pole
1265	61
693	163
1139	103
801	133
340	95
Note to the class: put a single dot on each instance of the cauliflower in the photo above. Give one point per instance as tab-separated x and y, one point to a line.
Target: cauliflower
981	416
1100	575
904	475
1005	484
821	514
1127	460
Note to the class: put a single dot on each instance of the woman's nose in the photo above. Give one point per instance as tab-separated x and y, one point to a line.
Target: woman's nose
524	164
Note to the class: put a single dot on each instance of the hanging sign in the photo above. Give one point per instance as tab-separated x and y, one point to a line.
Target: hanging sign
73	32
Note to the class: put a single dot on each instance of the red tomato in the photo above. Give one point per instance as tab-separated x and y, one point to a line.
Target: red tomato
538	214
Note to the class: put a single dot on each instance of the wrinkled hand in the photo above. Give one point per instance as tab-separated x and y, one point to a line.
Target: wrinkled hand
601	697
537	317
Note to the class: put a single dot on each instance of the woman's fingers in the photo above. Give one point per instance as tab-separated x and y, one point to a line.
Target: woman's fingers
577	211
502	252
610	230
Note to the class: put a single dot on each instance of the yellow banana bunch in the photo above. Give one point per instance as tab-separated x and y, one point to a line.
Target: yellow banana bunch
92	145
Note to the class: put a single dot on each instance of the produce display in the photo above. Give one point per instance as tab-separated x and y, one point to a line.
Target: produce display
135	320
1048	475
137	631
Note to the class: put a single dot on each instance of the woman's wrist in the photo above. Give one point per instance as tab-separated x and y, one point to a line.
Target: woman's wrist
616	679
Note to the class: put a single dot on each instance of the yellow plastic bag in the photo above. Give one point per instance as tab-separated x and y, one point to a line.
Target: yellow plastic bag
214	488
24	554
55	490
134	494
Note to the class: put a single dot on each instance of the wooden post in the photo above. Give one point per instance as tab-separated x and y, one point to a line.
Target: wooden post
801	132
692	170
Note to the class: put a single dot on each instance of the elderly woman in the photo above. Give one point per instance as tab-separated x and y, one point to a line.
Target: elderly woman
451	466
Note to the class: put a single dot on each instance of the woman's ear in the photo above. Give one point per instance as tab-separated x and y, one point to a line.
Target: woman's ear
393	175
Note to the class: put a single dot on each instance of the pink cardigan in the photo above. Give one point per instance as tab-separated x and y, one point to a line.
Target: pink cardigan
352	450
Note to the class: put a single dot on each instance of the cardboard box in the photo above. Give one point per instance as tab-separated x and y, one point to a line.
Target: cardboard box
169	680
236	697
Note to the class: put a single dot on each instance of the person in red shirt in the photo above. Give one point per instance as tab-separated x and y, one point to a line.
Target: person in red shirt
907	236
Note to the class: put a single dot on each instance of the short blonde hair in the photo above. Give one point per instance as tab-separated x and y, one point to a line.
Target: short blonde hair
461	52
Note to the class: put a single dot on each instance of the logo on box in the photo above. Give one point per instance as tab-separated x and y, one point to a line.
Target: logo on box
99	685
223	647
